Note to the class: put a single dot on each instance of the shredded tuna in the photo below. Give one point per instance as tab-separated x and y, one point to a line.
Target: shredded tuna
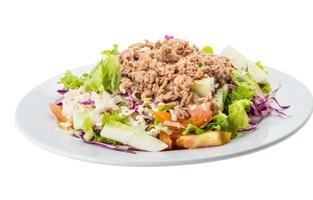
166	70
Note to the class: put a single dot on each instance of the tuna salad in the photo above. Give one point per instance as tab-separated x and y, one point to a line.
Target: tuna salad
165	95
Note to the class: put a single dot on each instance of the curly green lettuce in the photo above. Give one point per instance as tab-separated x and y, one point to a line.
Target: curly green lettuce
237	117
193	129
106	75
70	81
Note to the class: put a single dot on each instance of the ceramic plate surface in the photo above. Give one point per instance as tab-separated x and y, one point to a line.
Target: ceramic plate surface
36	123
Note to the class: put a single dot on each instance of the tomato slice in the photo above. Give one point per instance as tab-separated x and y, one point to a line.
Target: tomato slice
201	115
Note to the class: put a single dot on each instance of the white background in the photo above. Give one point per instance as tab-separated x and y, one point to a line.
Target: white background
41	39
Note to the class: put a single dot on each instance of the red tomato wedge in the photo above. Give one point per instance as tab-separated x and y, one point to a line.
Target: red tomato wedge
201	115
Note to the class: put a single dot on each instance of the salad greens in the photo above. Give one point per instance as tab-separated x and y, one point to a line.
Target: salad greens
165	107
105	76
70	81
238	117
192	129
87	128
265	87
261	67
218	123
108	118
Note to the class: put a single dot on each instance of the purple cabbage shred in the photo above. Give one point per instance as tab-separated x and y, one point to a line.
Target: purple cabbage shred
122	148
62	91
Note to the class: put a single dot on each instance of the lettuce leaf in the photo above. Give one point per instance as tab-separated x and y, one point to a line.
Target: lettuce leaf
112	74
107	118
70	81
99	138
106	75
266	88
113	51
94	81
242	91
165	107
192	129
242	78
238	117
261	67
87	128
218	123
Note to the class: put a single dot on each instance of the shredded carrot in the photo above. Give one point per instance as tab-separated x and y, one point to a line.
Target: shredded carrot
56	111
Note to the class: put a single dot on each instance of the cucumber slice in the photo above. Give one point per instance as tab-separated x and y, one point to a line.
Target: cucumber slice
133	137
79	116
204	87
240	62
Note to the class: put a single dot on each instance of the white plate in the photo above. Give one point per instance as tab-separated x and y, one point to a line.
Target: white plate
35	121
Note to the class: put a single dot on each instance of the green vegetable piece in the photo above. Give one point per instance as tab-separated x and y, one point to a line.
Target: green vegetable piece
108	118
238	117
133	137
113	51
218	123
94	81
208	50
240	62
201	63
203	87
106	75
192	129
261	67
220	97
112	74
70	81
165	107
242	91
266	88
156	122
87	128
99	138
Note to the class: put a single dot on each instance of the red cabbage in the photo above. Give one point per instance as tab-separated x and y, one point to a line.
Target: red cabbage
59	101
262	106
231	86
87	103
252	127
62	91
168	37
172	101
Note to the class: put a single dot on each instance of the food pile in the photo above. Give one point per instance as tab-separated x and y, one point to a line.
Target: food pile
162	95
